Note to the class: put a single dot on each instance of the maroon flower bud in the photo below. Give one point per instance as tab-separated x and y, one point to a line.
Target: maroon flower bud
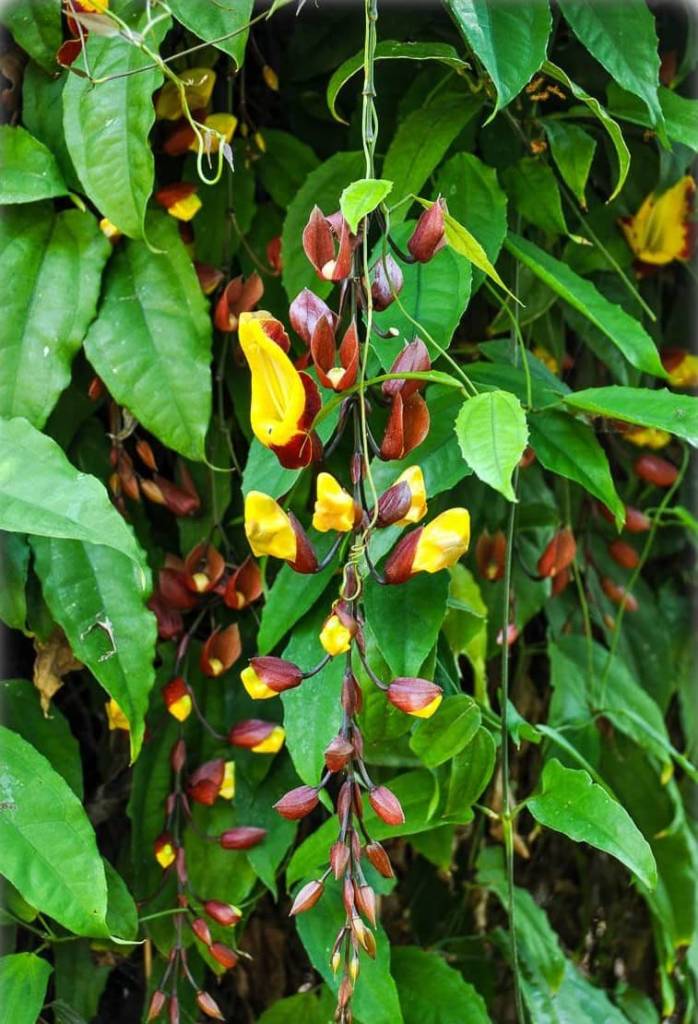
178	755
203	567
352	696
357	801
407	426
363	935
560	582
222	913
172	587
339	858
225	956
655	471
250	733
205	783
220	651
307	898
209	277
306	559
386	805
276	674
414	358
243	586
379	859
558	555
387	279
623	554
619	595
273	251
201	930
157	1002
208	1005
179	500
490	554
636	521
344	994
242	838
394	504
429	234
338	753
398	565
305	311
170	624
365	900
348	895
415	696
181	865
173	1010
344	800
297	802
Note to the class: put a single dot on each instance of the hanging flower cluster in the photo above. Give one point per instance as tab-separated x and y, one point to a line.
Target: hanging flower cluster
285	403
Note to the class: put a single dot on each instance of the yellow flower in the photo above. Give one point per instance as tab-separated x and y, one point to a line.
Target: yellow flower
227	790
647	437
335	637
414	479
278	395
115	716
661	230
684	372
442	541
268	528
546	358
198	86
257	689
165	854
273	742
109	230
334	508
185	209
225	124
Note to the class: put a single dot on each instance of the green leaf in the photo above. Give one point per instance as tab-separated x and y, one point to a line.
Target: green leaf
290	596
284	166
93	593
406	621
213	22
475	199
42	115
361	198
256	807
471	771
420	143
447	732
389	49
51	737
680	113
573	151
106	128
151	342
58	257
36	26
465	244
122	914
431	992
599	112
55	500
534	192
14	564
312	711
623	39
647	407
492	434
322	188
569	448
28	170
510	40
622	330
47	845
23	983
79	982
434	294
571	803
305	1006
375	1000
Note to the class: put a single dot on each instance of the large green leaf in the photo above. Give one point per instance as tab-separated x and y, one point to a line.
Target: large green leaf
447	732
680	112
471	771
55	264
36	26
106	128
406	623
290	597
42	115
534	192
431	992
492	434
305	1006
650	408
23	983
599	112
224	24
573	151
389	49
571	803
622	330
28	170
93	592
420	143
622	37
511	40
569	448
151	342
47	846
322	188
54	499
14	566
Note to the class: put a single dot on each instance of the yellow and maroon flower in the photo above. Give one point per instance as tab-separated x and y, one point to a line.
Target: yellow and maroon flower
220	651
662	230
203	567
324	351
267	676
243	586
258	736
180	200
165	850
415	696
405	502
115	716
198	85
647	437
271	531
241	295
490	554
430	548
681	366
335	509
339	630
408	422
558	555
212	780
284	401
177	698
329	244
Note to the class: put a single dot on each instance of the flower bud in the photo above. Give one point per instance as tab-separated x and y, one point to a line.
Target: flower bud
297	803
258	736
209	276
203	567
339	858
429	234
363	935
379	859
157	1002
338	753
173	1010
179	199
490	555
558	555
165	850
208	1005
636	521
354	968
560	582
205	783
181	865
365	900
178	755
243	586
243	837
224	955
201	930
177	698
305	311
386	805
415	696
623	554
655	470
307	897
220	651
352	695
387	282
224	914
336	961
344	994
619	595
268	676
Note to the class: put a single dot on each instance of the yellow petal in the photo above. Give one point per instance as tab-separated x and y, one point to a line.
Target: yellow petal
278	395
254	685
109	230
115	716
429	710
273	742
165	855
414	478
335	637
334	508
185	209
181	708
198	86
268	528
658	233
227	790
547	358
224	124
647	437
443	541
685	374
